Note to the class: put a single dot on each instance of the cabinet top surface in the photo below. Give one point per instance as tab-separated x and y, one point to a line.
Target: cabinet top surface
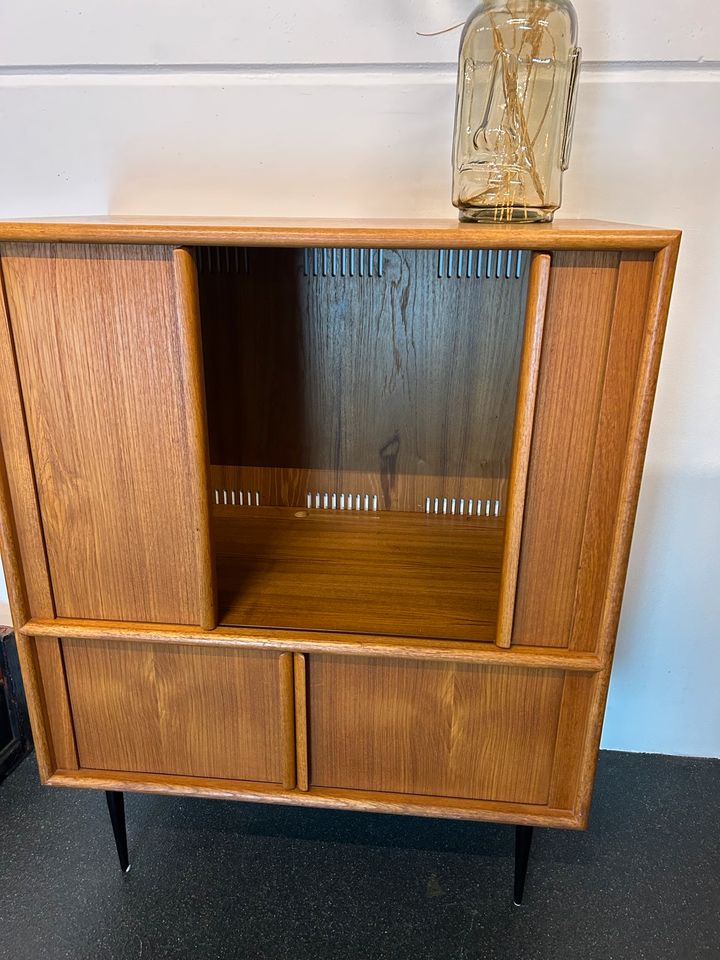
446	233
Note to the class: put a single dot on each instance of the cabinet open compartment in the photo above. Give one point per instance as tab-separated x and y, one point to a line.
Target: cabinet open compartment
368	421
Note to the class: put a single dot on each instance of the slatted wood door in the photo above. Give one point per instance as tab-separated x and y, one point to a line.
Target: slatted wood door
599	316
108	351
181	710
430	728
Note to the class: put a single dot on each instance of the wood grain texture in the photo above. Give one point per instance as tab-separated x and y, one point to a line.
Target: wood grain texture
578	320
301	722
39	720
426	724
611	439
51	671
522	439
28	553
575	719
26	570
287	718
409	233
198	461
309	641
451	808
656	320
44	686
157	708
438	730
372	379
103	358
392	573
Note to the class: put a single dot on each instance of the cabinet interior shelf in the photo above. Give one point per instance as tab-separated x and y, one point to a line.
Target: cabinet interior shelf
390	573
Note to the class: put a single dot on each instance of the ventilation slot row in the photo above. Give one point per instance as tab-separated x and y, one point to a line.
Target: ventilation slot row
477	264
342	501
343	262
462	507
227	260
237	498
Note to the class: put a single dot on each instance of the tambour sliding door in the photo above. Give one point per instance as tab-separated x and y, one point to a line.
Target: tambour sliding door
108	352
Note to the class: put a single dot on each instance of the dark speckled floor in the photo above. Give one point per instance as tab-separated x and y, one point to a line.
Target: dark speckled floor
228	880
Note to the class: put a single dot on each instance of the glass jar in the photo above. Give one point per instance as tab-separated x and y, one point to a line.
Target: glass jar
517	81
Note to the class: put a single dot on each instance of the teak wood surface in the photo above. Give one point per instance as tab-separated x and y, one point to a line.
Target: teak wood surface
336	696
379	377
398	574
104	345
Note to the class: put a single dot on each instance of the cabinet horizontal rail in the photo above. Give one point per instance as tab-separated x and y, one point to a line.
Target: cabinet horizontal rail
306	642
442	807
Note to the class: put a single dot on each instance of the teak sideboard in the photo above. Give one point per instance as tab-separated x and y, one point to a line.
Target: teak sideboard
333	513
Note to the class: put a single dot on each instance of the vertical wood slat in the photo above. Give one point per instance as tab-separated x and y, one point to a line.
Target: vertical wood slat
656	320
287	719
626	339
580	304
20	479
191	363
301	723
575	717
658	305
522	438
26	572
49	658
18	605
108	354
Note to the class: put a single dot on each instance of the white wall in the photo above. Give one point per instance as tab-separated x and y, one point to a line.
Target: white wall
341	109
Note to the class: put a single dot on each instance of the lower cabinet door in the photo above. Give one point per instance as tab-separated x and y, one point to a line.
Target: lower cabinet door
434	729
176	709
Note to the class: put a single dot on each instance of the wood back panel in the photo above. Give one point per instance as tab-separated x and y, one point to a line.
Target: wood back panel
105	343
185	710
368	366
436	729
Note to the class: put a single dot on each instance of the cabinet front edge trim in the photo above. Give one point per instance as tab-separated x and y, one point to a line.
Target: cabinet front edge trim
341	644
445	808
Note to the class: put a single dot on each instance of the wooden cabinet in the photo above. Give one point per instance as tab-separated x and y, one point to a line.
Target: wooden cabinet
326	513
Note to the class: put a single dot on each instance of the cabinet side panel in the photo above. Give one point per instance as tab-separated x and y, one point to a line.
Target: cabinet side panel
48	655
21	490
182	710
102	339
621	378
577	328
573	725
432	729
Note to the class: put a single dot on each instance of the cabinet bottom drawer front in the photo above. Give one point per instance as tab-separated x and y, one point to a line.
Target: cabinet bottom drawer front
183	710
434	729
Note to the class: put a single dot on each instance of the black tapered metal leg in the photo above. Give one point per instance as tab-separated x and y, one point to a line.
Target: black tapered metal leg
523	840
116	808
